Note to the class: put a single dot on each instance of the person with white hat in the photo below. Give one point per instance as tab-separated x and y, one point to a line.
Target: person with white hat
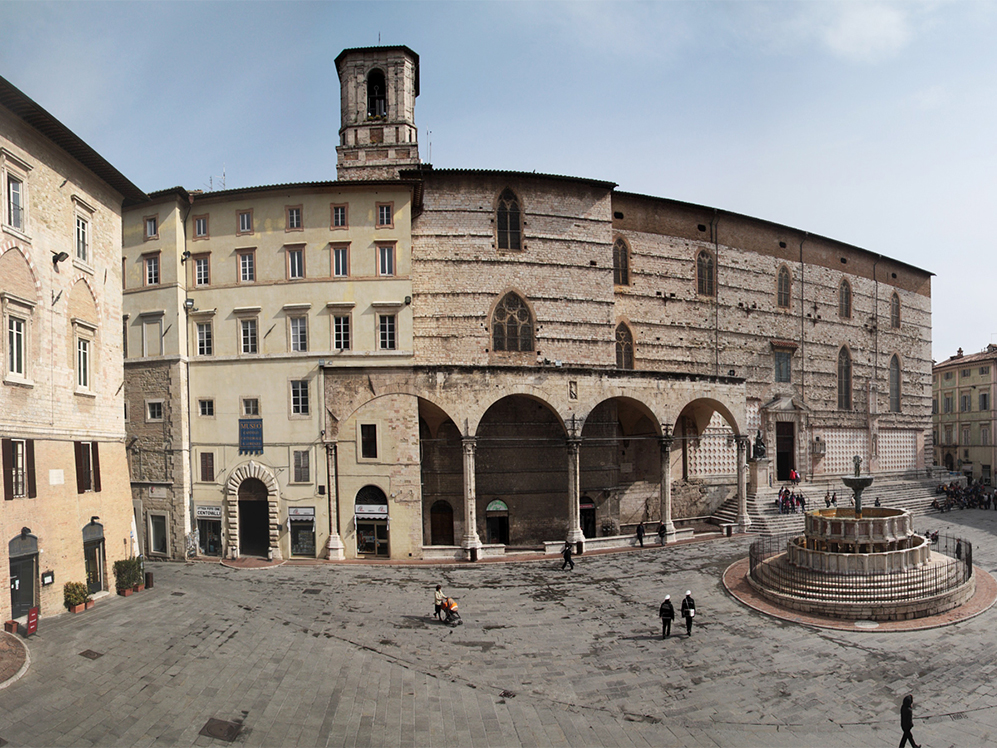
667	614
688	611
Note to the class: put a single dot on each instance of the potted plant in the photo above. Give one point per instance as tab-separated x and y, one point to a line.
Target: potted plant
127	573
76	597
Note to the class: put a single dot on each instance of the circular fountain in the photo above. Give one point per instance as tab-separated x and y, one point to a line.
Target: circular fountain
862	564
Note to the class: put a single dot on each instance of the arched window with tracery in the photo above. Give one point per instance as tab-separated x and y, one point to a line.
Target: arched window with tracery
784	288
512	325
845	299
895	311
624	347
377	95
704	273
895	384
621	263
509	221
844	379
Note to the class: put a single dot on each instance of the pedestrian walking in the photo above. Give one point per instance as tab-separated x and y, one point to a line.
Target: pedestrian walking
440	597
667	614
566	553
907	721
688	611
661	533
640	533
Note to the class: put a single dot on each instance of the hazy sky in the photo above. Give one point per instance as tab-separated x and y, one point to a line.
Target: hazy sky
868	122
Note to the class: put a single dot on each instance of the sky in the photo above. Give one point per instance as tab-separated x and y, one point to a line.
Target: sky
872	123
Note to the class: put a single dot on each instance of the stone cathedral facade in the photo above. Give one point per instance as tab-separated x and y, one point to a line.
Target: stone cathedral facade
495	360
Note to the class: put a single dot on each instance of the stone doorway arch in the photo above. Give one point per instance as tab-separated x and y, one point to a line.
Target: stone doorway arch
256	478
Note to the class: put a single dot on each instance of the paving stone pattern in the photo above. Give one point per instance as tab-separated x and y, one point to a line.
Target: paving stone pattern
544	657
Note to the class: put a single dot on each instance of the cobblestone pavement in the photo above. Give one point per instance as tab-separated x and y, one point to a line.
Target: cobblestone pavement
350	655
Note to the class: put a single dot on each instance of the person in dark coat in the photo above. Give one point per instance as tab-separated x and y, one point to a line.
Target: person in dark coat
640	534
907	721
566	553
688	611
661	533
667	614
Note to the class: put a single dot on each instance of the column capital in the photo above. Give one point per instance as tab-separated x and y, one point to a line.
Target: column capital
665	442
574	443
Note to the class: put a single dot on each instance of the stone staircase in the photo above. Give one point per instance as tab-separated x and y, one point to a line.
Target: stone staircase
913	494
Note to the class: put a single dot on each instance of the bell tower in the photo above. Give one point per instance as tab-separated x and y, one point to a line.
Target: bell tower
377	133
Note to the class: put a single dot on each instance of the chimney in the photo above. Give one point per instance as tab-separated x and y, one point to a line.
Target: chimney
958	353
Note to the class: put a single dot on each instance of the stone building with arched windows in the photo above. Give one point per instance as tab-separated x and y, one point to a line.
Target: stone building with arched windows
532	358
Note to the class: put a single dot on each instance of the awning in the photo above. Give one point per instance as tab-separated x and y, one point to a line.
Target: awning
371	511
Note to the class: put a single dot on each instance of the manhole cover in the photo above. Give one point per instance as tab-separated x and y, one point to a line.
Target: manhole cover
313	591
866	625
177	594
90	654
219	728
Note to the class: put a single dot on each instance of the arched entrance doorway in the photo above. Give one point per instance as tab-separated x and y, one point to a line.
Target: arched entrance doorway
371	518
23	553
497	522
254	518
93	555
441	523
587	516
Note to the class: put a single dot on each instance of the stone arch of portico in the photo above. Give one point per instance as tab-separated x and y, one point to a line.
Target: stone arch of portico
243	472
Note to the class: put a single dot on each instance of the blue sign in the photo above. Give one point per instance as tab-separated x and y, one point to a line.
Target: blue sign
250	436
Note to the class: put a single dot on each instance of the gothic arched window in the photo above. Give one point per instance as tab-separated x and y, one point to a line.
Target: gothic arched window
895	311
845	300
704	273
895	384
783	293
377	95
621	263
624	347
844	379
512	325
508	221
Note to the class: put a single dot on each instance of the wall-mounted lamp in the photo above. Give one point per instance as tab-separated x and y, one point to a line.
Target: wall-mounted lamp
25	532
185	256
188	305
58	257
408	300
93	520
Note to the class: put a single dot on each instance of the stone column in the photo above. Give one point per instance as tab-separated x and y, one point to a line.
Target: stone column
743	520
666	486
575	494
470	542
335	544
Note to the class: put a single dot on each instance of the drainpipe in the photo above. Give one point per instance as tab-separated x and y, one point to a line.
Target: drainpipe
803	350
716	292
187	447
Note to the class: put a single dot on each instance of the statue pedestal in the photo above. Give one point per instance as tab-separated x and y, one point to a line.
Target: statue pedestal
759	475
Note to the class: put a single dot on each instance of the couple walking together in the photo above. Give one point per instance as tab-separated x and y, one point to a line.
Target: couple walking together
667	614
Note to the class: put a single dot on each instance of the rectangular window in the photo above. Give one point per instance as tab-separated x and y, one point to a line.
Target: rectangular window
947	403
200	227
299	397
247	267
386	331
385	259
206	408
87	467
152	270
341	333
250	406
158	541
783	364
948	434
984	401
368	441
207	467
301	466
948	375
964	403
15	346
295	264
984	370
245	222
385	215
202	270
966	436
967	373
205	342
152	227
154	410
83	363
18	458
299	334
934	406
339	219
984	436
341	261
15	203
152	337
293	217
82	239
248	335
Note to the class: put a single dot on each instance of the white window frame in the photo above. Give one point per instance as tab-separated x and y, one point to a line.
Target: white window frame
205	338
296	267
10	210
343	210
166	534
244	226
244	266
82	239
14	169
206	407
85	355
17	369
296	407
150	226
386	260
387	332
244	403
202	270
342	339
201	222
301	460
157	404
152	269
297	333
249	336
19	468
340	260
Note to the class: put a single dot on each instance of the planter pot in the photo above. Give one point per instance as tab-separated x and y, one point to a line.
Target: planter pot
139	587
125	592
89	604
77	608
10	626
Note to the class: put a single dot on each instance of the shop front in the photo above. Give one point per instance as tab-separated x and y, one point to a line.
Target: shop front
371	520
209	529
301	525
